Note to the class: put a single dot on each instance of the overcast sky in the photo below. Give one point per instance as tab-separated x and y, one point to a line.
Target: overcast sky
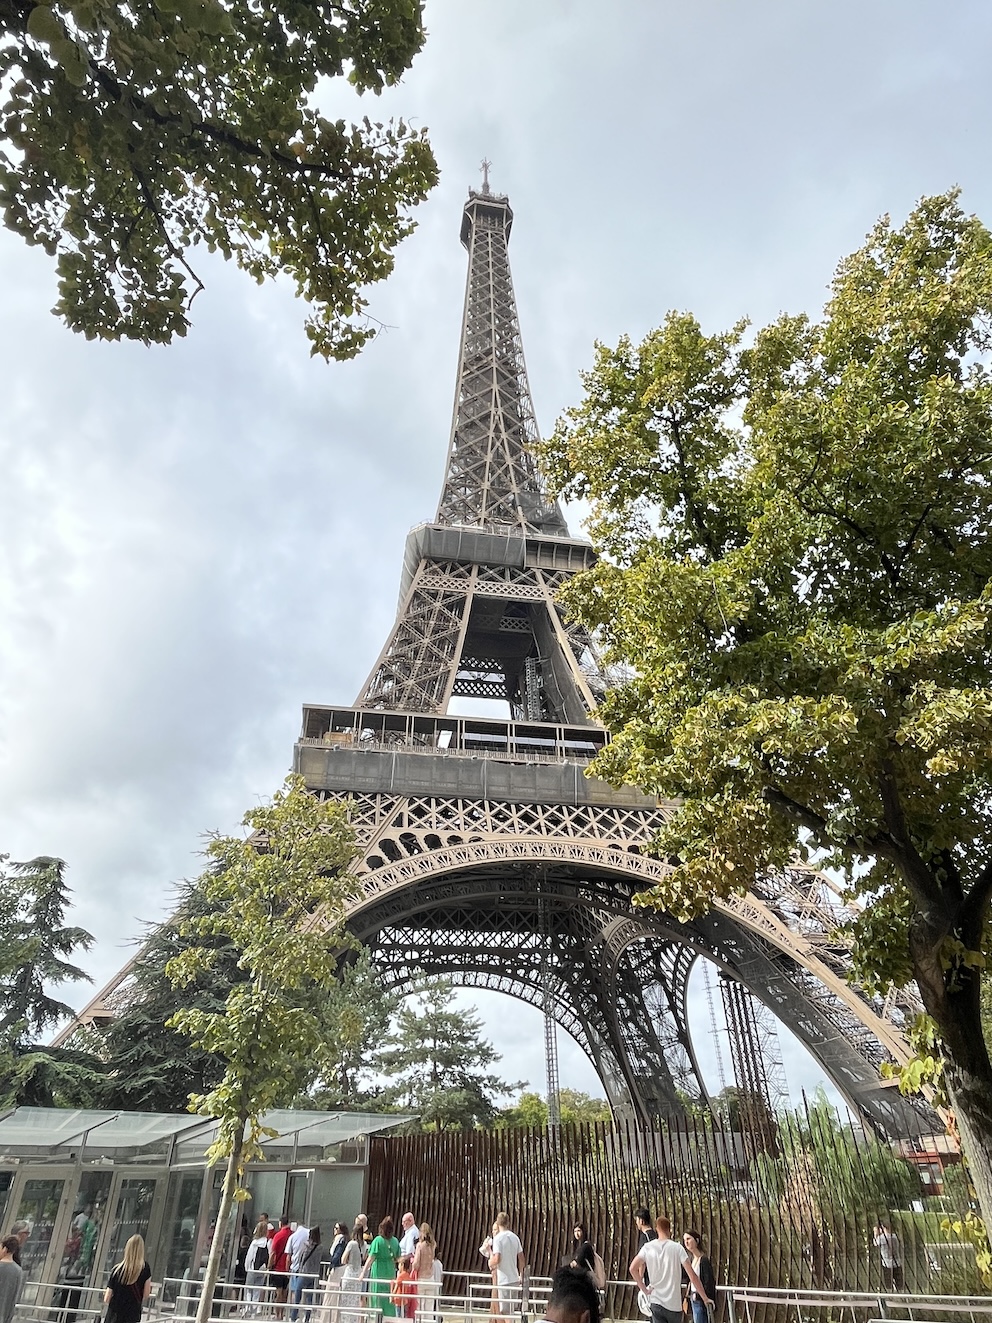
195	540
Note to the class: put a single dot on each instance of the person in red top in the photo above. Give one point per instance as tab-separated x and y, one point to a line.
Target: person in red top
279	1264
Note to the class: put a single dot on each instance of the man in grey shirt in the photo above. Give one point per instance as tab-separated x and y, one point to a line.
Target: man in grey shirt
11	1277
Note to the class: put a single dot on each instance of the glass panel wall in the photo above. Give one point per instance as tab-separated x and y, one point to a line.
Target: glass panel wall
6	1183
38	1209
179	1227
88	1215
131	1215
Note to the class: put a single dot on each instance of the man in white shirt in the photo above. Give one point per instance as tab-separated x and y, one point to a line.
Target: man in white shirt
506	1259
296	1243
664	1260
411	1234
890	1248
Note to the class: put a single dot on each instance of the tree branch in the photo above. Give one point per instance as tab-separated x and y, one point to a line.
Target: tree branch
916	873
974	907
862	533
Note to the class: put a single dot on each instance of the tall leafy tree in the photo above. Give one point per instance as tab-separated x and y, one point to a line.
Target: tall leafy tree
355	1011
36	950
436	1062
797	569
139	132
574	1106
149	1065
262	893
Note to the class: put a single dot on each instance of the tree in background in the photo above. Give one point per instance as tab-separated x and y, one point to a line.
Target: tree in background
531	1109
355	1011
36	946
435	1062
796	567
139	131
150	1066
262	893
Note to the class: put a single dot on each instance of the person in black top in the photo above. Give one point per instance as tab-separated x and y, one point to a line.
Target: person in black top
129	1286
573	1299
583	1256
693	1242
645	1227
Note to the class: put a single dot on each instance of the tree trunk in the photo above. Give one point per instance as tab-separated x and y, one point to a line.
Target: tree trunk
206	1303
956	1012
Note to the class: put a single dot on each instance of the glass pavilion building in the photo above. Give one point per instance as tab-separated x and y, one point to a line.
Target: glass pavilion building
82	1182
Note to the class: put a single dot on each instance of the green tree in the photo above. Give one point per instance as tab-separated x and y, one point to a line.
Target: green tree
796	568
139	131
149	1065
576	1106
435	1062
262	895
355	1010
531	1109
36	946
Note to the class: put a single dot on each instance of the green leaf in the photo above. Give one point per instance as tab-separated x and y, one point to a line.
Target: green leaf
44	26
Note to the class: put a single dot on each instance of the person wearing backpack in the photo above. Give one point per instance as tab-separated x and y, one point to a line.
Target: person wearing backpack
256	1263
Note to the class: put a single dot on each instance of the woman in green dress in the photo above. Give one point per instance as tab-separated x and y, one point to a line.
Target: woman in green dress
380	1268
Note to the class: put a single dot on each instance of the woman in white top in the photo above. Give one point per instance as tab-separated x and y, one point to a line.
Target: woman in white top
332	1289
350	1294
256	1265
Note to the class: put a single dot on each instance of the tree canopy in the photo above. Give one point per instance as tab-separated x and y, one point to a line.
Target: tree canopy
796	570
138	132
36	950
435	1061
574	1106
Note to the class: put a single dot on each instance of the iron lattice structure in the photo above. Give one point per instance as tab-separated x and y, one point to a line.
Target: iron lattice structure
485	854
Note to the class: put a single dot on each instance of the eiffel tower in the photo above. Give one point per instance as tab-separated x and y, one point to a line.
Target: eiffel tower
485	853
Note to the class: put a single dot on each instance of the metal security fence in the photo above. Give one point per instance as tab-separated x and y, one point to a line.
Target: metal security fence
796	1211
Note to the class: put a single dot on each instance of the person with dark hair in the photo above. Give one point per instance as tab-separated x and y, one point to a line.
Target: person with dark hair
350	1292
645	1228
380	1268
279	1264
305	1273
11	1277
573	1299
20	1232
584	1256
665	1260
693	1242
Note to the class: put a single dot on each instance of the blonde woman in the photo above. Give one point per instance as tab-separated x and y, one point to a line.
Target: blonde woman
129	1286
424	1259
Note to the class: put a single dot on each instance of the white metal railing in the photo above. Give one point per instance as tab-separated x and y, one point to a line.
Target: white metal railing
743	1303
466	1297
401	746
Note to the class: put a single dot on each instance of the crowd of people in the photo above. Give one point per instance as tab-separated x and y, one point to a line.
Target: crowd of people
290	1268
333	1280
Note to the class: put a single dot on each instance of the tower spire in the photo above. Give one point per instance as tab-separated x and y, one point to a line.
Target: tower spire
491	481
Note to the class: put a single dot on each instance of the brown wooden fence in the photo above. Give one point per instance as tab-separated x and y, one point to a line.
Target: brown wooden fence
801	1216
